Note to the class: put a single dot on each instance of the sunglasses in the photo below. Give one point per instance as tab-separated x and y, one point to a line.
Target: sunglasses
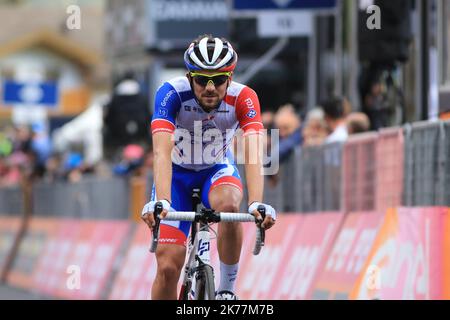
217	79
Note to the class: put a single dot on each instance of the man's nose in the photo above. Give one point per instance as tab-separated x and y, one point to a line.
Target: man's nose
210	86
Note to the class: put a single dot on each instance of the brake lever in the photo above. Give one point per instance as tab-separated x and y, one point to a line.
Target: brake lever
155	229
261	233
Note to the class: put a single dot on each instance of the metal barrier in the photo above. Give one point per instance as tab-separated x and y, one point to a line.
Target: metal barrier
359	173
444	168
318	179
286	188
332	164
11	201
92	198
389	168
422	181
307	180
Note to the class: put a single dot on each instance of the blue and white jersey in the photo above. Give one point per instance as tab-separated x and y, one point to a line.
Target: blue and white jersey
202	139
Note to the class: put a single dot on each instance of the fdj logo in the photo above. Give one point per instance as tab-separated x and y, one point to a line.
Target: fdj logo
202	247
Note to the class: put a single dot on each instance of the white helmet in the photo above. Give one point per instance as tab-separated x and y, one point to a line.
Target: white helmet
208	53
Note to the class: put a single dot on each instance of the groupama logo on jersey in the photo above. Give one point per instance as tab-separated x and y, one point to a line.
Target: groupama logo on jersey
167	97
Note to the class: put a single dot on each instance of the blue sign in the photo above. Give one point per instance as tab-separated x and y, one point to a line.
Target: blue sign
40	93
283	4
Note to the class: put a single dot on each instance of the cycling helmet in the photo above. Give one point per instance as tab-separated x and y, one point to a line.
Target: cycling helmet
208	53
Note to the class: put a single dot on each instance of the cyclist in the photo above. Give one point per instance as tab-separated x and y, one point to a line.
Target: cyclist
206	99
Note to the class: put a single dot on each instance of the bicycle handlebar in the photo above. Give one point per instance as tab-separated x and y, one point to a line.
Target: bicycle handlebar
211	216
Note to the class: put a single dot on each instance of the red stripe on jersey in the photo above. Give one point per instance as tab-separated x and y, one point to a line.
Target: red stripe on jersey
171	235
162	125
231	100
227	180
248	111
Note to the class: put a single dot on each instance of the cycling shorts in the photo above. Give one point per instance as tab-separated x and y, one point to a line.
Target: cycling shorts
183	181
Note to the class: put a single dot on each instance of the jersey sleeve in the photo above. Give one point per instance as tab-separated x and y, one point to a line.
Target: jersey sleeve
167	105
248	111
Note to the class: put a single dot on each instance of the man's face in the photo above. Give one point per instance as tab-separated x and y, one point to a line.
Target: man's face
210	87
287	123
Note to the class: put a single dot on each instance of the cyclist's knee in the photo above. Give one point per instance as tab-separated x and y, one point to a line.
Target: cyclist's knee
170	262
225	199
226	206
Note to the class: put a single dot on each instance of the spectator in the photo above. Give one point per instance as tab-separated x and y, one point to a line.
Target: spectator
288	122
315	128
357	122
53	170
335	113
73	167
132	160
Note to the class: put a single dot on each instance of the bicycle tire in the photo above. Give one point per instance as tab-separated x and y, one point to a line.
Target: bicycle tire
204	285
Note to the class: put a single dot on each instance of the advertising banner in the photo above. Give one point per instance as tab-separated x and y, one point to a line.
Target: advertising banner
78	260
348	255
138	269
306	254
406	259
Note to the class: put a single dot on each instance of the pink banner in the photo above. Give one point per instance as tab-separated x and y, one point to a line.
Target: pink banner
78	260
348	255
258	275
138	270
305	256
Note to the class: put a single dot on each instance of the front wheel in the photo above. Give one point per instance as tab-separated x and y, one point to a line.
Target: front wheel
205	289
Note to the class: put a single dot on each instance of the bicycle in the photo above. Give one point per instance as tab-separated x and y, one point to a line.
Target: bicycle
198	265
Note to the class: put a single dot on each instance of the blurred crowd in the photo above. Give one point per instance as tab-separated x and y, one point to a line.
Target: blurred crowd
27	154
331	122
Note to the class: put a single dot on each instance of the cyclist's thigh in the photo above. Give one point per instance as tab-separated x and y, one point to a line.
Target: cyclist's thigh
176	232
224	180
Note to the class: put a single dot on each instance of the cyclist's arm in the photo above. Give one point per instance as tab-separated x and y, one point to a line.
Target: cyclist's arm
248	113
162	163
253	168
167	106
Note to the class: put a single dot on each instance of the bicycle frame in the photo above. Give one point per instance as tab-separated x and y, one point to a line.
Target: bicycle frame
198	256
198	252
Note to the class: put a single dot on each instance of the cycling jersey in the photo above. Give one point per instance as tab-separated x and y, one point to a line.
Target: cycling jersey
177	108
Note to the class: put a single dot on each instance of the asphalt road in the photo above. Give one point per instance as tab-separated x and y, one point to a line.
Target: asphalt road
11	293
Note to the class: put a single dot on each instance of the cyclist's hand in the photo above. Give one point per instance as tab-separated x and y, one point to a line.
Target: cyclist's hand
271	214
149	208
